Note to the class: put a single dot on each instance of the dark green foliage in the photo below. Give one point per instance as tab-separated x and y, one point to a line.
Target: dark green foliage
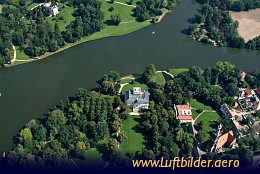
219	27
115	19
149	72
108	84
147	9
36	36
88	119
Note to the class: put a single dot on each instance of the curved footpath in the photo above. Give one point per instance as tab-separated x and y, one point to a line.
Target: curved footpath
14	56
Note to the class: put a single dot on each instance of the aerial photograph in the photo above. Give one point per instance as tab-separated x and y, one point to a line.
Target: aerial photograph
129	86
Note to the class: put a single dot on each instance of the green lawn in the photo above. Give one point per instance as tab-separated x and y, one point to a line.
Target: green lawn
134	140
124	11
66	14
197	105
135	84
94	159
176	71
122	81
211	120
127	1
194	114
159	78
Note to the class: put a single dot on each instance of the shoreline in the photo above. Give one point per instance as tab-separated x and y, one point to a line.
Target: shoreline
92	37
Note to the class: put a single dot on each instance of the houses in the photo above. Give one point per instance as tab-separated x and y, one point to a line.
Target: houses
226	111
237	118
224	138
183	113
137	99
249	100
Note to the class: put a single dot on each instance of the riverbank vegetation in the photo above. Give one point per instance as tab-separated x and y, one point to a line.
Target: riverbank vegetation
99	120
214	24
148	9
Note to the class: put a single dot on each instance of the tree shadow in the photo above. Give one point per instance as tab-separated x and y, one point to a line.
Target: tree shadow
138	129
109	22
103	150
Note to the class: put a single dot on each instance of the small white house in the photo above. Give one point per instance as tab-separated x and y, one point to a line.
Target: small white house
54	10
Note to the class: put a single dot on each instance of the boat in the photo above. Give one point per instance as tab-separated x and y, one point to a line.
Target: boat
153	32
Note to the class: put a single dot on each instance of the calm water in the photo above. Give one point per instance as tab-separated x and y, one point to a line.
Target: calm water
29	90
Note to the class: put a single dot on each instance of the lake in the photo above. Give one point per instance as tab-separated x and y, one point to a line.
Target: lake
28	90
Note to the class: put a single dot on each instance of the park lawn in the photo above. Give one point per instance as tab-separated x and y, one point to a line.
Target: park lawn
211	120
66	13
134	140
127	1
94	160
122	81
194	114
159	78
124	11
176	71
135	84
197	105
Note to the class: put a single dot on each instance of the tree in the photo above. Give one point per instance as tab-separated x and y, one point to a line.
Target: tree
149	72
25	134
203	136
116	19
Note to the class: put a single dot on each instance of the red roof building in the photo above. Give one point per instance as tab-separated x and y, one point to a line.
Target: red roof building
183	113
227	139
247	92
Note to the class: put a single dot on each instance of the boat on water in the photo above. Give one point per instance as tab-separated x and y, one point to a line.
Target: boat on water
153	32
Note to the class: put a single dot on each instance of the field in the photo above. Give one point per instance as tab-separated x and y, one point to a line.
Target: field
134	140
249	23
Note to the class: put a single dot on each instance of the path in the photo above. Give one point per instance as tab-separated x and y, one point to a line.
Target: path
121	3
166	73
202	113
14	57
161	17
121	87
127	22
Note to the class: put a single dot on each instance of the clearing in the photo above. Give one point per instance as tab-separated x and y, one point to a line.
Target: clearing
249	23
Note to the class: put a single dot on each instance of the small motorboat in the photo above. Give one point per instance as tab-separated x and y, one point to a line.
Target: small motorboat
153	32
